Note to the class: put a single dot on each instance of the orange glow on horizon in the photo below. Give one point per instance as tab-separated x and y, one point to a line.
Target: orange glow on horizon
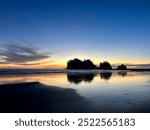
61	64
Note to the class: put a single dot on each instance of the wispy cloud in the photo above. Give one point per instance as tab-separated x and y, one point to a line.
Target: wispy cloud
21	54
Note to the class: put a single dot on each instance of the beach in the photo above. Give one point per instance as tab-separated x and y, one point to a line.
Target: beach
34	97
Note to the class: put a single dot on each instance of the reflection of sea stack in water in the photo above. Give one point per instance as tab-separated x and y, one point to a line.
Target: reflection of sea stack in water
106	76
122	73
78	78
122	67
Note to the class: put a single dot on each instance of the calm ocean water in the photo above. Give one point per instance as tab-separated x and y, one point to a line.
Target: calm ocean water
113	88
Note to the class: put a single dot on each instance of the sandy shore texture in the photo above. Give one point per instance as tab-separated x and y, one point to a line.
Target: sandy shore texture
35	97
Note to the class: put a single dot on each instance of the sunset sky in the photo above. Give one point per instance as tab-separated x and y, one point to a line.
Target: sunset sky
47	33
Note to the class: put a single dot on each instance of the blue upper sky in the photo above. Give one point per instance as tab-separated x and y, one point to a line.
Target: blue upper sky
113	30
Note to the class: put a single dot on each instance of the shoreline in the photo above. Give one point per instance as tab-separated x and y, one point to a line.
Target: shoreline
34	97
67	71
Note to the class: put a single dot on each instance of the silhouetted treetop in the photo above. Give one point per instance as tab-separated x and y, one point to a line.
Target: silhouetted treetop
105	65
122	67
88	64
78	64
74	64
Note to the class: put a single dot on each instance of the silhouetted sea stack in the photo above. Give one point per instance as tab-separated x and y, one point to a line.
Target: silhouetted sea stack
122	67
78	64
88	64
105	66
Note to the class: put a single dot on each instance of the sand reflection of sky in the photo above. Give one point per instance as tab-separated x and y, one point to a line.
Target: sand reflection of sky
105	88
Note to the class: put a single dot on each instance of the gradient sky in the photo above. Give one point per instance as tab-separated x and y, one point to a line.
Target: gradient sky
47	33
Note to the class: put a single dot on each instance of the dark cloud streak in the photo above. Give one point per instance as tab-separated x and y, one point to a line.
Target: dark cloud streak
18	54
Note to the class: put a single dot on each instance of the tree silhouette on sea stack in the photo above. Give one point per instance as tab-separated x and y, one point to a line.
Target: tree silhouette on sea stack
122	67
87	64
78	64
105	66
74	64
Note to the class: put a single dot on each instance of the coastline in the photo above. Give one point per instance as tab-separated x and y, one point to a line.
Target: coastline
34	97
68	71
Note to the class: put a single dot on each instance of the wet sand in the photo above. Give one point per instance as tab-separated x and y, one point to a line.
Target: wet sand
35	97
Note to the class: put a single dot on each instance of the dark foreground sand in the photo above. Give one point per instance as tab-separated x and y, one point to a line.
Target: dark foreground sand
35	97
